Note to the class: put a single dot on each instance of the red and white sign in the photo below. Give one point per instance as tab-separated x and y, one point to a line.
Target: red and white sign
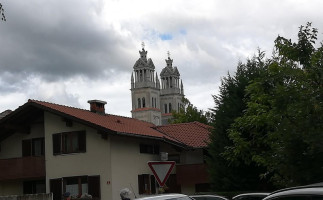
161	170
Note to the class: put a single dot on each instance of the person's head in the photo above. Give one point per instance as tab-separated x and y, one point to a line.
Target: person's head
125	194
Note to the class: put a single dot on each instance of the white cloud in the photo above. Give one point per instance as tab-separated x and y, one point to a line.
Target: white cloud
69	52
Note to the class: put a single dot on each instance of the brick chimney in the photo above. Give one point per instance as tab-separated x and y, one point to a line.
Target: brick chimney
97	106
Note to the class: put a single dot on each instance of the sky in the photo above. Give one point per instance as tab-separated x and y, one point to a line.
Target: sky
71	51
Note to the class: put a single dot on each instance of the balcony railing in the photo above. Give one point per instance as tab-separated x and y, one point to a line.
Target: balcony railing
22	168
191	174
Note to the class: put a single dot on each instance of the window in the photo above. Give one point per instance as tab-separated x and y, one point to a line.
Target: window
139	103
69	142
76	186
149	148
152	102
143	102
170	107
165	107
146	184
155	103
33	147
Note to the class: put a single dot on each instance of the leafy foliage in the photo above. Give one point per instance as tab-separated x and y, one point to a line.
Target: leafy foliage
230	104
189	113
282	128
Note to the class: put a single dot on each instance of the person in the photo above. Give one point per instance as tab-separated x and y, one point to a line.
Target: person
67	196
125	194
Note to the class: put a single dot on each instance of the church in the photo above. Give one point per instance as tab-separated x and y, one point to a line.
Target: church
154	99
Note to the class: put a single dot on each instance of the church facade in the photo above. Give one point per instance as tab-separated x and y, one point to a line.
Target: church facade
154	98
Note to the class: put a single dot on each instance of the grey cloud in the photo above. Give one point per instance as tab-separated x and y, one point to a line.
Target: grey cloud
57	41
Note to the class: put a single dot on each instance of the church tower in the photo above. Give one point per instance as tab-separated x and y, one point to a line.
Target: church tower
172	90
145	90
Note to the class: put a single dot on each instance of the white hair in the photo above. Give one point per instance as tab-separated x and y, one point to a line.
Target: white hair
125	193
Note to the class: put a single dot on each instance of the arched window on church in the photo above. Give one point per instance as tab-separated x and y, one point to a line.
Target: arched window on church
152	102
143	102
165	107
155	103
170	107
140	76
139	103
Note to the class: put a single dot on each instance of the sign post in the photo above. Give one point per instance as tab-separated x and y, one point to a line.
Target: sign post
161	170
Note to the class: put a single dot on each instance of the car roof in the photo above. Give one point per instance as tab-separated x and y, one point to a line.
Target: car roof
251	194
162	196
208	195
313	189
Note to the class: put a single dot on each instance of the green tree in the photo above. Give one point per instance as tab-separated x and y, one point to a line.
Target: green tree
189	113
3	17
229	105
282	128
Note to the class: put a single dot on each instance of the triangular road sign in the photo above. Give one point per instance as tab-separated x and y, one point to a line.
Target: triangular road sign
161	170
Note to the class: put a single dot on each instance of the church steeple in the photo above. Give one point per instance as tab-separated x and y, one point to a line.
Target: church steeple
144	71
172	90
145	90
170	78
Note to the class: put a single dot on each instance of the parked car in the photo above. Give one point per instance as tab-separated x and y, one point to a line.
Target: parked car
208	197
167	197
307	192
251	196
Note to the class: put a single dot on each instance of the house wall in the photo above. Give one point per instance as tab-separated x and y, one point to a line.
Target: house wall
12	148
11	188
192	156
128	163
95	161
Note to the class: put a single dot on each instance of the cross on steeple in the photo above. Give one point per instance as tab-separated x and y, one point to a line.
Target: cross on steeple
168	53
143	45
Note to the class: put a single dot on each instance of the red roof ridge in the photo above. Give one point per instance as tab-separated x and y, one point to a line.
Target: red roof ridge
185	123
106	114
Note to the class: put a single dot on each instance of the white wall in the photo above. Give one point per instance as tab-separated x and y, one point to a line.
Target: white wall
95	161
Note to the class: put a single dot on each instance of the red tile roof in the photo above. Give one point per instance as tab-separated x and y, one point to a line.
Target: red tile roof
193	134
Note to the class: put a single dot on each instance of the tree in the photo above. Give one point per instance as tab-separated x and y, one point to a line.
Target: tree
229	105
3	17
189	113
282	128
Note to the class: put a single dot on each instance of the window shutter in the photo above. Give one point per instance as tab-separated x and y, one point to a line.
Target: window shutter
141	184
153	184
26	148
56	188
94	186
82	141
56	143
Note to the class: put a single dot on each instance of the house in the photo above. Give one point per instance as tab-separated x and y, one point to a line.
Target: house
46	147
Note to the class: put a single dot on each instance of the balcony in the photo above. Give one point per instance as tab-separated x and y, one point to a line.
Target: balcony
22	168
192	174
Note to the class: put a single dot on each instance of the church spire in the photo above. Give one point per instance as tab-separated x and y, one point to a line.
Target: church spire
132	81
169	61
143	53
